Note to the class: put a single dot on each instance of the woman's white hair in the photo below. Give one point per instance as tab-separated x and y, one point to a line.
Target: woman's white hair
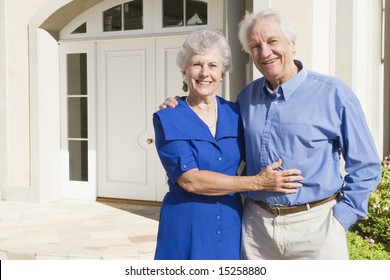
249	21
200	41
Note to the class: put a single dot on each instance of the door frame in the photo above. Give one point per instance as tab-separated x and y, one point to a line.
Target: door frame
145	188
78	189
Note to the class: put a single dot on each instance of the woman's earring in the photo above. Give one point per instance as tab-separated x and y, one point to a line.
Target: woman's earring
185	85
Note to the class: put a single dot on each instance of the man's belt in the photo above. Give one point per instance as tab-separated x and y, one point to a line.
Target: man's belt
285	210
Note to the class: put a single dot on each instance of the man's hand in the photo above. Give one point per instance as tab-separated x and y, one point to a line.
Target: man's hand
284	181
169	102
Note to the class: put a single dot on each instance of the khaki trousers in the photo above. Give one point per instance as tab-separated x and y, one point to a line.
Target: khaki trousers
312	235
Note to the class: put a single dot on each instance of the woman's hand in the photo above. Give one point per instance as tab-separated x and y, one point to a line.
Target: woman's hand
283	181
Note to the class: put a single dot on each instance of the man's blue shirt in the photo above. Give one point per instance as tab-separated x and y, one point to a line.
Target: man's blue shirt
310	120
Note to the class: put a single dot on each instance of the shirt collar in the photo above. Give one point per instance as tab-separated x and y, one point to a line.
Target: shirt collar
288	88
175	122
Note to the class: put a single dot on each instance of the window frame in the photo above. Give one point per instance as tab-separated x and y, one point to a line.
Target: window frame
72	188
152	21
216	21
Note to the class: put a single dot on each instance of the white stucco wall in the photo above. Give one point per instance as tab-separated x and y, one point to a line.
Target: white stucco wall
16	92
49	179
3	100
16	139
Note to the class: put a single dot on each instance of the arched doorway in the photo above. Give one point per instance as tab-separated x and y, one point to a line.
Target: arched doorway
117	63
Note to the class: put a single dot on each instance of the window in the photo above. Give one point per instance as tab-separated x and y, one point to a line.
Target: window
113	19
81	29
77	99
184	13
127	16
131	18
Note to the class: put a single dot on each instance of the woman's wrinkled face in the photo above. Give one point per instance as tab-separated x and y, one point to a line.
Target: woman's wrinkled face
204	72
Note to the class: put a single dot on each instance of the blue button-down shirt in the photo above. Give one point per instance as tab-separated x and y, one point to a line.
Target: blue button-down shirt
310	120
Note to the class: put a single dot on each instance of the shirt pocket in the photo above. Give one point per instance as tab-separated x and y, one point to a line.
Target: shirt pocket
301	140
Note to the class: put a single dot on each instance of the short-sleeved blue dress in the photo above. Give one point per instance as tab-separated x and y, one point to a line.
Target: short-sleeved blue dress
196	226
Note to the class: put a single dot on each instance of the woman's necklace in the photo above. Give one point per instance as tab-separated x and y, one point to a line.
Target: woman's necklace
213	123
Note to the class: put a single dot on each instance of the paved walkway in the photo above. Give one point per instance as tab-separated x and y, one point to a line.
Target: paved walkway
71	229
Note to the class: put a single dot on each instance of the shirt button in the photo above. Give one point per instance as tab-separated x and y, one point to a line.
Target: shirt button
218	217
184	166
219	232
219	158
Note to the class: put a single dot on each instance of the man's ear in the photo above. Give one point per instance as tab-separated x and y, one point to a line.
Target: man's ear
293	46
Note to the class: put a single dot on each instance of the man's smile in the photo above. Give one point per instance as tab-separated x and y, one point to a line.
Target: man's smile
270	61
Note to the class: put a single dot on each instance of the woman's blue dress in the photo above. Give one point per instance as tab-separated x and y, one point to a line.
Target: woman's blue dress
196	226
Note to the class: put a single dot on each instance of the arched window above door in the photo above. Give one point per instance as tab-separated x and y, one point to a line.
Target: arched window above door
126	16
140	17
184	13
81	29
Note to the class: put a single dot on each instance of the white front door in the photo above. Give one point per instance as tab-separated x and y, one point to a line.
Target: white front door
126	153
133	77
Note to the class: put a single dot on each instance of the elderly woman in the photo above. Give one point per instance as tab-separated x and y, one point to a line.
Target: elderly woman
200	144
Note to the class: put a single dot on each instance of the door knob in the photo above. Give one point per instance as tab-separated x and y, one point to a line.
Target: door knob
149	141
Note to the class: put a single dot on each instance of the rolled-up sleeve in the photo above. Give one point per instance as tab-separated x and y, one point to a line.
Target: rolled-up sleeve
176	155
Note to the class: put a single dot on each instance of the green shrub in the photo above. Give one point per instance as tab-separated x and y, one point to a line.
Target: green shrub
364	249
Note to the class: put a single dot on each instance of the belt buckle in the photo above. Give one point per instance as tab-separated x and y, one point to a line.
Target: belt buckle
273	208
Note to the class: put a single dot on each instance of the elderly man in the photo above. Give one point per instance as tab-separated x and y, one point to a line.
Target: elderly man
308	120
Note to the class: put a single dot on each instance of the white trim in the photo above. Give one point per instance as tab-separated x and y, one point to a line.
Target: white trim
321	36
105	5
361	47
3	99
214	18
76	189
152	13
76	22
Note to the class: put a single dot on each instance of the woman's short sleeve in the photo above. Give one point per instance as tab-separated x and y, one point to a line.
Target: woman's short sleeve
176	155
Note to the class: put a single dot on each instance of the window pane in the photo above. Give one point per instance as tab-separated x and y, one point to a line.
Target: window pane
112	19
77	74
78	160
133	12
196	12
81	29
173	13
77	117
